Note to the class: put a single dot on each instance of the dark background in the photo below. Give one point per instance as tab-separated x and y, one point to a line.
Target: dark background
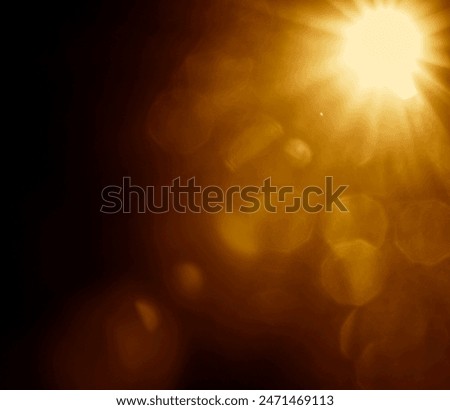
81	79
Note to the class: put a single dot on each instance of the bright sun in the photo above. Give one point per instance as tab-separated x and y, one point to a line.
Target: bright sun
383	48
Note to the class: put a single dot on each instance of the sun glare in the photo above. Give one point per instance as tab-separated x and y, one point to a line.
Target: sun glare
383	48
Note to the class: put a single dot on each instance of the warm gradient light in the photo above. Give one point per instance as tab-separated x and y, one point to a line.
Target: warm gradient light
383	48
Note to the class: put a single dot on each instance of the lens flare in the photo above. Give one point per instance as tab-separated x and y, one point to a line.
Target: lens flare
383	48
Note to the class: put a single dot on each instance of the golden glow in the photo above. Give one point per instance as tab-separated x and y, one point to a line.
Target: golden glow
148	314
188	280
383	48
353	273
